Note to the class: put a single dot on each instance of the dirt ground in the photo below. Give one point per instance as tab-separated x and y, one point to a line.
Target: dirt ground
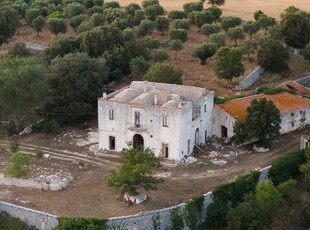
88	195
241	8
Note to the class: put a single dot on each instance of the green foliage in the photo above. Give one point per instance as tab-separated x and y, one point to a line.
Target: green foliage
156	222
162	24
121	23
135	172
60	47
76	21
66	223
51	126
204	51
10	128
39	151
288	190
218	39
139	66
257	14
56	14
272	55
164	73
74	9
160	55
177	220
235	34
286	167
261	123
273	90
216	2
150	44
295	26
88	3
145	27
131	8
84	27
95	9
305	212
200	18
192	6
176	14
19	165
251	27
18	49
215	11
229	195
230	22
229	63
101	39
23	87
178	34
265	22
250	47
8	222
305	170
76	82
208	29
138	17
181	24
153	11
97	19
14	144
176	45
192	212
38	23
306	52
56	25
110	14
112	4
31	14
9	22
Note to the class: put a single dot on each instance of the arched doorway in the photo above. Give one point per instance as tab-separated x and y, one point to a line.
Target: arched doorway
197	136
138	141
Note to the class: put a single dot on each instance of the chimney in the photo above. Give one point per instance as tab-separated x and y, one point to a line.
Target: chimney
155	99
105	96
144	86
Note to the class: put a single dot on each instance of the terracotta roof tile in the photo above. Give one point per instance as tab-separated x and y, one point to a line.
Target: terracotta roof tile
285	102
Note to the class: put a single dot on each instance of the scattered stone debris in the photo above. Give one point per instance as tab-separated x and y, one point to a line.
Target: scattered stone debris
135	199
163	175
188	160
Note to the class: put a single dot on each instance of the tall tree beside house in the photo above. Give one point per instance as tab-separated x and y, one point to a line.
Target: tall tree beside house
76	82
229	63
261	123
135	172
23	88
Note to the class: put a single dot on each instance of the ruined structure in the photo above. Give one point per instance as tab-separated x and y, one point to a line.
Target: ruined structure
169	119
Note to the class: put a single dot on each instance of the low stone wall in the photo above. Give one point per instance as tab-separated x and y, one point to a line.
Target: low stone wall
250	79
41	220
140	221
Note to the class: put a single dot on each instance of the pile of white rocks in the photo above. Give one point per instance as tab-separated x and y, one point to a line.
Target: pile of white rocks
54	182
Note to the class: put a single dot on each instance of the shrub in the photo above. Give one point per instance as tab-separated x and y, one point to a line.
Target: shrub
95	9
8	222
18	49
286	167
19	165
218	39
139	66
180	34
84	26
66	223
10	128
112	4
176	14
97	19
177	220
14	144
160	56
39	151
192	212
74	9
76	21
56	14
51	126
164	73
181	24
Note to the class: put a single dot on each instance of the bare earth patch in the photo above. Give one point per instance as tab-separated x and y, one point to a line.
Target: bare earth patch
88	195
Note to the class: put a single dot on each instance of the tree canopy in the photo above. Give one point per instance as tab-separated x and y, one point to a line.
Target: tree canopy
135	172
164	73
76	82
261	123
23	87
9	22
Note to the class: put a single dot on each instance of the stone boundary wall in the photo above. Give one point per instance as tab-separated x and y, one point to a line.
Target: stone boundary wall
250	79
34	46
41	220
139	221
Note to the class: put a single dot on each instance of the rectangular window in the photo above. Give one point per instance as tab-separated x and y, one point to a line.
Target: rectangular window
205	108
292	114
112	142
188	147
137	119
165	121
111	114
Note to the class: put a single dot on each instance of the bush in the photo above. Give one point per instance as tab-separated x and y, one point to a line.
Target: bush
95	9
180	34
14	144
181	24
160	56
286	167
83	27
97	19
218	39
10	128
51	126
18	49
19	165
176	14
164	73
39	151
66	223
177	220
192	212
112	4
8	222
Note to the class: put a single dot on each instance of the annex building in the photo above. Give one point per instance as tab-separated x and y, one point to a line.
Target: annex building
294	111
169	119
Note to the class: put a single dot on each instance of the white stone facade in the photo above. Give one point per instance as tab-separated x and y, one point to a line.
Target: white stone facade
169	119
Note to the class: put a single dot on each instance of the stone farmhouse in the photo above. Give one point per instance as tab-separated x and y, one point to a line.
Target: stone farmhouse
169	119
294	110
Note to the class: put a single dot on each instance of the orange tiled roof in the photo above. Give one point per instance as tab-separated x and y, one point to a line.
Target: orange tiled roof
285	102
295	86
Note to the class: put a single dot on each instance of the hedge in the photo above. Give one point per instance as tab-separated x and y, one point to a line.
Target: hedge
66	223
